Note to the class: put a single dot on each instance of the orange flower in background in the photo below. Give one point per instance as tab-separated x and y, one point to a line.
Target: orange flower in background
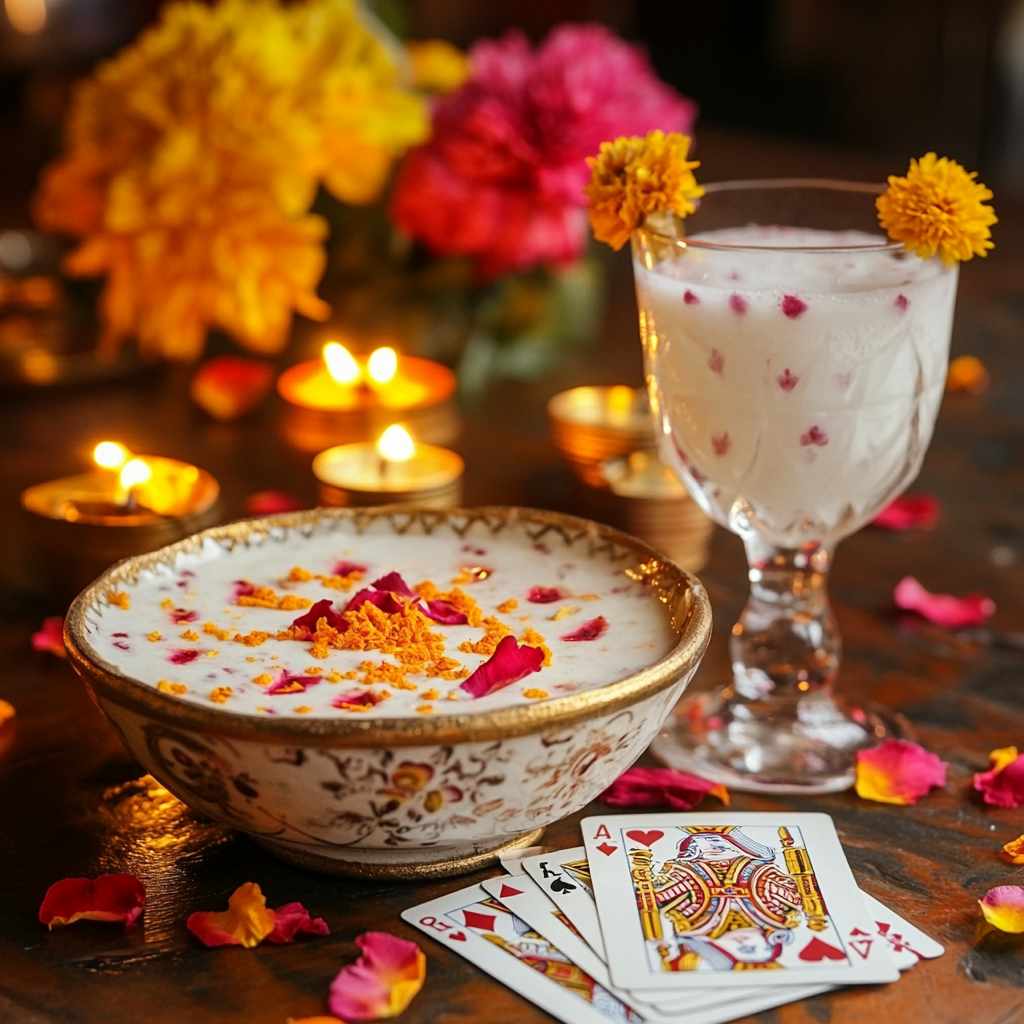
967	373
437	66
632	177
938	208
193	157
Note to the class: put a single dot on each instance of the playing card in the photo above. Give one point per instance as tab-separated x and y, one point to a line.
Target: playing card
768	898
905	943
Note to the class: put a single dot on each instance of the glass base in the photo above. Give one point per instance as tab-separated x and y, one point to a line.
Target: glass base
808	745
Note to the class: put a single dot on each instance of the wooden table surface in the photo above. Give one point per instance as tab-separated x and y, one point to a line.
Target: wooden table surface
71	803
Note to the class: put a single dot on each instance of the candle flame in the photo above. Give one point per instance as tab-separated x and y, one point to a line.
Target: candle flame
382	365
110	455
135	472
340	364
396	445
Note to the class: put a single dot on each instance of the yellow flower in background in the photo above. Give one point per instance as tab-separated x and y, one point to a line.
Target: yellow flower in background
938	208
437	66
193	157
634	176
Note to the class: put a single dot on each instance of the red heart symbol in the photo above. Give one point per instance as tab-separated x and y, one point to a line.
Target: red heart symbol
458	936
607	849
817	950
647	838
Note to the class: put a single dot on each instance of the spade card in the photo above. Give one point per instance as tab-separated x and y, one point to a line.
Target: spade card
767	899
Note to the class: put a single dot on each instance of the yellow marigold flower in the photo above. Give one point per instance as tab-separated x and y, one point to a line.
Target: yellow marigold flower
437	66
634	176
938	208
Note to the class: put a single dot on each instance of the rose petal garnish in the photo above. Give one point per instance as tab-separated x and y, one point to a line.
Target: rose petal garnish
286	682
911	512
394	584
227	387
246	922
50	636
1013	851
444	612
306	624
589	630
108	898
382	982
508	664
1003	784
1003	908
293	919
347	568
898	772
972	609
267	503
543	595
182	616
362	699
659	787
385	600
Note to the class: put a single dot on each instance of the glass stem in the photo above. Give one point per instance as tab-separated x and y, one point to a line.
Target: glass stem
786	643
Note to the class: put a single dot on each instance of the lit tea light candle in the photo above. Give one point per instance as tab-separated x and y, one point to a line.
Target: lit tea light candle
393	470
78	525
343	397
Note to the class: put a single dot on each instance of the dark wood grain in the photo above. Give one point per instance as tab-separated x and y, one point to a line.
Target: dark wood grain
70	805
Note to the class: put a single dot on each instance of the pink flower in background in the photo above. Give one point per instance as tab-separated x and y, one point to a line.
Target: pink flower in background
501	179
973	609
910	512
50	636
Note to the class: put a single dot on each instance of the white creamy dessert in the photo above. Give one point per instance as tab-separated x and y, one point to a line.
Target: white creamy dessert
215	628
797	390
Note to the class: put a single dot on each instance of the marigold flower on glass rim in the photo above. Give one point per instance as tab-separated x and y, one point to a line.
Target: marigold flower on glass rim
1003	784
632	177
938	208
1003	908
898	772
382	982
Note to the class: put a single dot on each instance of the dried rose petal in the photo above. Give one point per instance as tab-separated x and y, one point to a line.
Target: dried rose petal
972	609
181	656
348	568
911	512
1013	851
364	698
716	361
815	436
659	787
108	898
1003	908
737	304
385	600
382	982
589	630
898	772
305	625
50	636
246	922
293	919
182	616
268	503
241	588
508	664
286	682
227	387
543	595
792	306
444	612
394	584
1003	784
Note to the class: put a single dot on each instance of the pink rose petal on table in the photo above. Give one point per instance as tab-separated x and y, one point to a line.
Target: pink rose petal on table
306	623
910	512
293	919
1003	784
268	503
50	636
659	787
972	609
508	664
286	682
543	595
382	982
589	630
444	612
898	772
109	898
1003	908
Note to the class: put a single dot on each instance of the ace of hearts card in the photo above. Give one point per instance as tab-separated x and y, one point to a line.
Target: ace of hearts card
769	899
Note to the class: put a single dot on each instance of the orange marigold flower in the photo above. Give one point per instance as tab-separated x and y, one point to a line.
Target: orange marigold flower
634	176
437	66
938	208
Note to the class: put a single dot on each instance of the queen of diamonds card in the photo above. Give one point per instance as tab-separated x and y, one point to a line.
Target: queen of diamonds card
731	898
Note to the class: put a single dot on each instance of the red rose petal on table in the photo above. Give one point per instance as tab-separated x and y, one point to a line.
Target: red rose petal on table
227	387
247	921
108	898
589	630
659	787
508	664
1003	784
898	772
293	919
286	682
50	636
306	624
1003	908
268	503
382	982
543	595
910	512
972	609
444	612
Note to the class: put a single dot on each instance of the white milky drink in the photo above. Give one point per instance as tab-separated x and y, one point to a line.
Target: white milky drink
797	390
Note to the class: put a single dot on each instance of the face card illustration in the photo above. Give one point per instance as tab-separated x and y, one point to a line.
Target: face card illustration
766	899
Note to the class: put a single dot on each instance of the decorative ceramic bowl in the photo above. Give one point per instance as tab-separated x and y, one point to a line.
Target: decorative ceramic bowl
420	795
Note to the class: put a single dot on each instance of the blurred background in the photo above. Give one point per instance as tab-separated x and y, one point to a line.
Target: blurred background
889	78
